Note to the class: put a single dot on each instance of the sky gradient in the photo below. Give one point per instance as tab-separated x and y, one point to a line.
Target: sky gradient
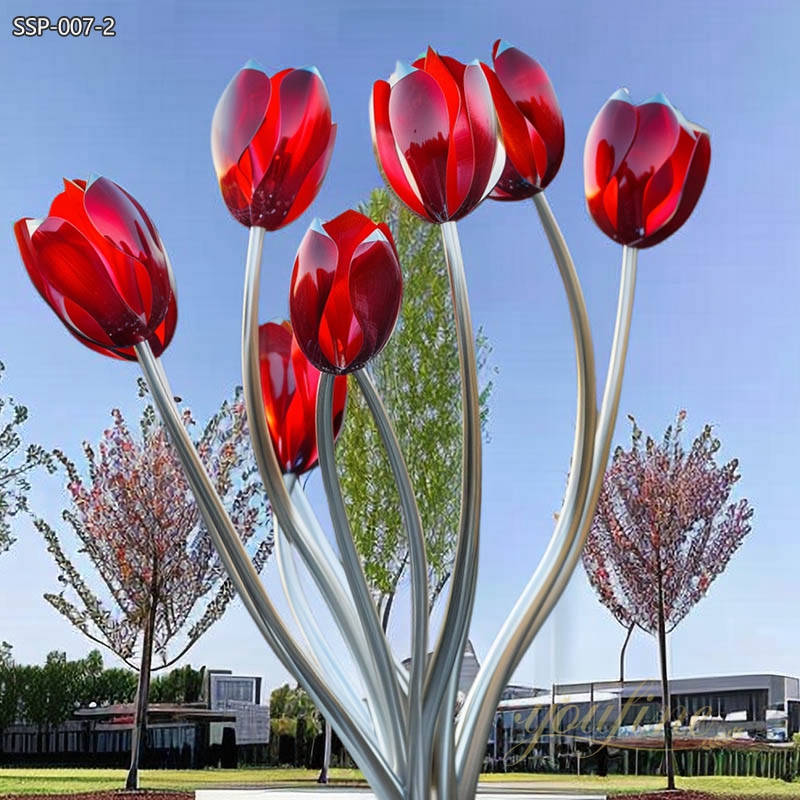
714	328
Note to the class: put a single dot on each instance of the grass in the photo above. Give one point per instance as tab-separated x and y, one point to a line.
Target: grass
53	781
633	784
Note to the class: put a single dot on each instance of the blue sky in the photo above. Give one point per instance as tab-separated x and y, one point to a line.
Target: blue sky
714	327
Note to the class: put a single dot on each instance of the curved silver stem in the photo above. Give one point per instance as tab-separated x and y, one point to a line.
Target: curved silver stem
517	632
446	780
553	574
419	758
326	660
367	755
355	638
449	650
248	584
317	557
382	679
306	512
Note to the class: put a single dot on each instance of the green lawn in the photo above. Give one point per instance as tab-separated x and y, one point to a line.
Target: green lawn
621	784
53	781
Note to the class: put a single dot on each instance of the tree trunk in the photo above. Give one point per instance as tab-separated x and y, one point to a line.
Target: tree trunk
387	610
142	692
622	655
665	696
326	754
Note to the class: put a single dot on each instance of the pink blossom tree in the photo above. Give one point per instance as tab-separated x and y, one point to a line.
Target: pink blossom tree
664	529
138	523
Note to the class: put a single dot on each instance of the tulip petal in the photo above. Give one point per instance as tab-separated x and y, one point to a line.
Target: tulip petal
609	139
261	147
520	172
23	230
71	270
691	189
312	278
625	229
348	230
123	223
376	291
529	88
449	76
340	336
84	326
485	142
657	133
237	118
313	181
663	191
386	151
420	124
305	133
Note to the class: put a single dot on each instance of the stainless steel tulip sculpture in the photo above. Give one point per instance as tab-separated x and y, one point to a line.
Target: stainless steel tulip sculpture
403	732
400	724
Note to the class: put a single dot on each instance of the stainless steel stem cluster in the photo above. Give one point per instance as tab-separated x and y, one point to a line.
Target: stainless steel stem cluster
398	724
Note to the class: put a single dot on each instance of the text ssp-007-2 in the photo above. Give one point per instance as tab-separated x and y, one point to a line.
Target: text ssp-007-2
63	26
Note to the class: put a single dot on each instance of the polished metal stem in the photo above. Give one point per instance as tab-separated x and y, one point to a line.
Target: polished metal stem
303	507
478	710
446	778
326	660
249	587
322	563
383	674
377	716
338	601
419	757
449	650
563	552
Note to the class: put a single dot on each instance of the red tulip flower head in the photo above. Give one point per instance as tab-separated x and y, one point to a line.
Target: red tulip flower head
644	169
530	121
99	262
435	135
346	292
271	141
289	388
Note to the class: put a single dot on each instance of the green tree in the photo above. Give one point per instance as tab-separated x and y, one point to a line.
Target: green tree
10	694
104	686
6	659
293	713
14	466
181	685
419	379
48	693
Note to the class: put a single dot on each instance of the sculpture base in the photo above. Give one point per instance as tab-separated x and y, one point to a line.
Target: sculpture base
485	792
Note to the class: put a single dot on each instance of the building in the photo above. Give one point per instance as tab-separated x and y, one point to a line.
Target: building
555	729
469	667
228	725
